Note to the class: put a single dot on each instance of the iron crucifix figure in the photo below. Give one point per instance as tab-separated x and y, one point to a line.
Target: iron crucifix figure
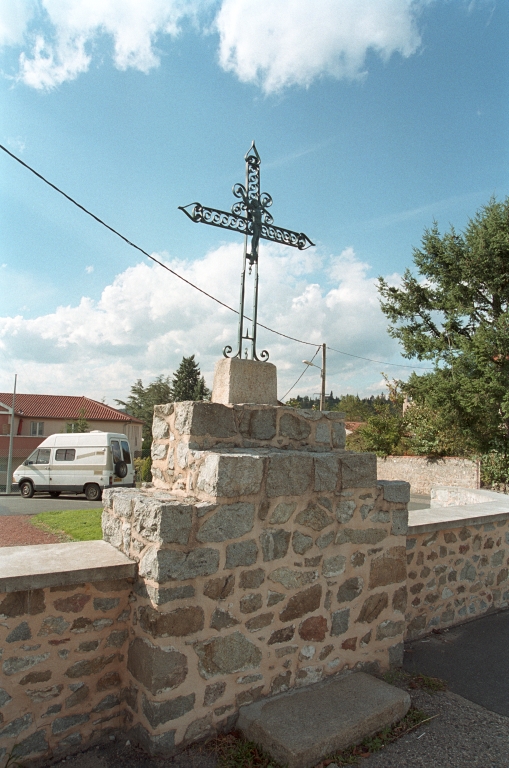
251	217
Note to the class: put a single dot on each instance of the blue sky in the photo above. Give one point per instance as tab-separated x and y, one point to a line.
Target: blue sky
372	119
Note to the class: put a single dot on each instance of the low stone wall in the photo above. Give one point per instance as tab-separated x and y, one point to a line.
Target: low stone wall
64	629
264	558
457	559
423	473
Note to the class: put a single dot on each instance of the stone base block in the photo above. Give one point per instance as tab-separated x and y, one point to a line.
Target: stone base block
300	728
244	381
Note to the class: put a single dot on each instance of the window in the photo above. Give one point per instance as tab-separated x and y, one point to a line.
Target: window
42	456
115	447
126	452
3	463
65	454
36	428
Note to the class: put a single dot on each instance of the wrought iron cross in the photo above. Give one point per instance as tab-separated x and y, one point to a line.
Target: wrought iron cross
251	217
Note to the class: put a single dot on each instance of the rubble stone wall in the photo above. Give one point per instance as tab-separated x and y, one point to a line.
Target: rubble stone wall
423	473
63	654
269	558
196	442
457	559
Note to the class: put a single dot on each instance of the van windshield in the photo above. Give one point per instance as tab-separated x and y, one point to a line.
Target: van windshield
126	451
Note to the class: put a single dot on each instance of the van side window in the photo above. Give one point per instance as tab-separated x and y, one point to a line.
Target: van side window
126	452
115	449
65	454
43	456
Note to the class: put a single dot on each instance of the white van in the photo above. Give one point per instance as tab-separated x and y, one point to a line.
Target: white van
77	463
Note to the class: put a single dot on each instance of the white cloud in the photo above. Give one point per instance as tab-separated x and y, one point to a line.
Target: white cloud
16	143
146	320
292	42
66	51
272	44
14	17
89	269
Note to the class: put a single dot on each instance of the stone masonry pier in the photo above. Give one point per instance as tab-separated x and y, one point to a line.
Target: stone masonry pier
269	558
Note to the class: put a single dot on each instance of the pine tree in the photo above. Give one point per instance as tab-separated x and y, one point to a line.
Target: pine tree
455	313
187	383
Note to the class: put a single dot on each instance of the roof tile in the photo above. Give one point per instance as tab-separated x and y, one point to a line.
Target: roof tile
65	407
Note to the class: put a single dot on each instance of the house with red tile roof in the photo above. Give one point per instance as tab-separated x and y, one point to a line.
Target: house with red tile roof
38	416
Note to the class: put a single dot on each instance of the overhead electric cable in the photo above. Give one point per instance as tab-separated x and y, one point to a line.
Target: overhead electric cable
141	250
180	277
379	362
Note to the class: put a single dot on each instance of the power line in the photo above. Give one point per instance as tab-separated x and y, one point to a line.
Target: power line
141	250
180	277
380	362
302	374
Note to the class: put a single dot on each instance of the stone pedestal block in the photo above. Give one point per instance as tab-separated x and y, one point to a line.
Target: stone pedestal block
244	381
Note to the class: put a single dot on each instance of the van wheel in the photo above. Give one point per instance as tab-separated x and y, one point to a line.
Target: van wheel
120	469
54	494
93	492
26	489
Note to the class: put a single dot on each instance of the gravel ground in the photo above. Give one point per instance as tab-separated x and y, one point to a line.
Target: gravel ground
17	531
462	735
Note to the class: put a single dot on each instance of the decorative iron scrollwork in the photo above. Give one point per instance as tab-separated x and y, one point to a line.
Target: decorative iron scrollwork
250	217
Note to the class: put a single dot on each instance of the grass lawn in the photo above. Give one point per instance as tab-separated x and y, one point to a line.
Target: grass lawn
71	524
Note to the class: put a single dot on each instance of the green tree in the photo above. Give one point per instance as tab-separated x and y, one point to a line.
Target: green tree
187	382
385	430
142	466
80	424
455	313
141	401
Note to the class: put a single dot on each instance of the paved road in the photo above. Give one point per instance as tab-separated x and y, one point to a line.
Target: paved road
471	658
17	505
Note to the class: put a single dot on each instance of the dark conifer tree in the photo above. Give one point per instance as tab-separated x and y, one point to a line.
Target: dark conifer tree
187	382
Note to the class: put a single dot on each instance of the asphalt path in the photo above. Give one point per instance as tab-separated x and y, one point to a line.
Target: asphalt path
17	505
472	658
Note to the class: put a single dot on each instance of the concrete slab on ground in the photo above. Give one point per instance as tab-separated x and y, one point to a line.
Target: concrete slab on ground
472	658
300	727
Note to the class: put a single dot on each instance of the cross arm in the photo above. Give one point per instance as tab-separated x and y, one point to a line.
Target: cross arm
286	236
227	220
216	218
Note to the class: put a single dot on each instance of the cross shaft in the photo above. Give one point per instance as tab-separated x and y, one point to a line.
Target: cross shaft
250	217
